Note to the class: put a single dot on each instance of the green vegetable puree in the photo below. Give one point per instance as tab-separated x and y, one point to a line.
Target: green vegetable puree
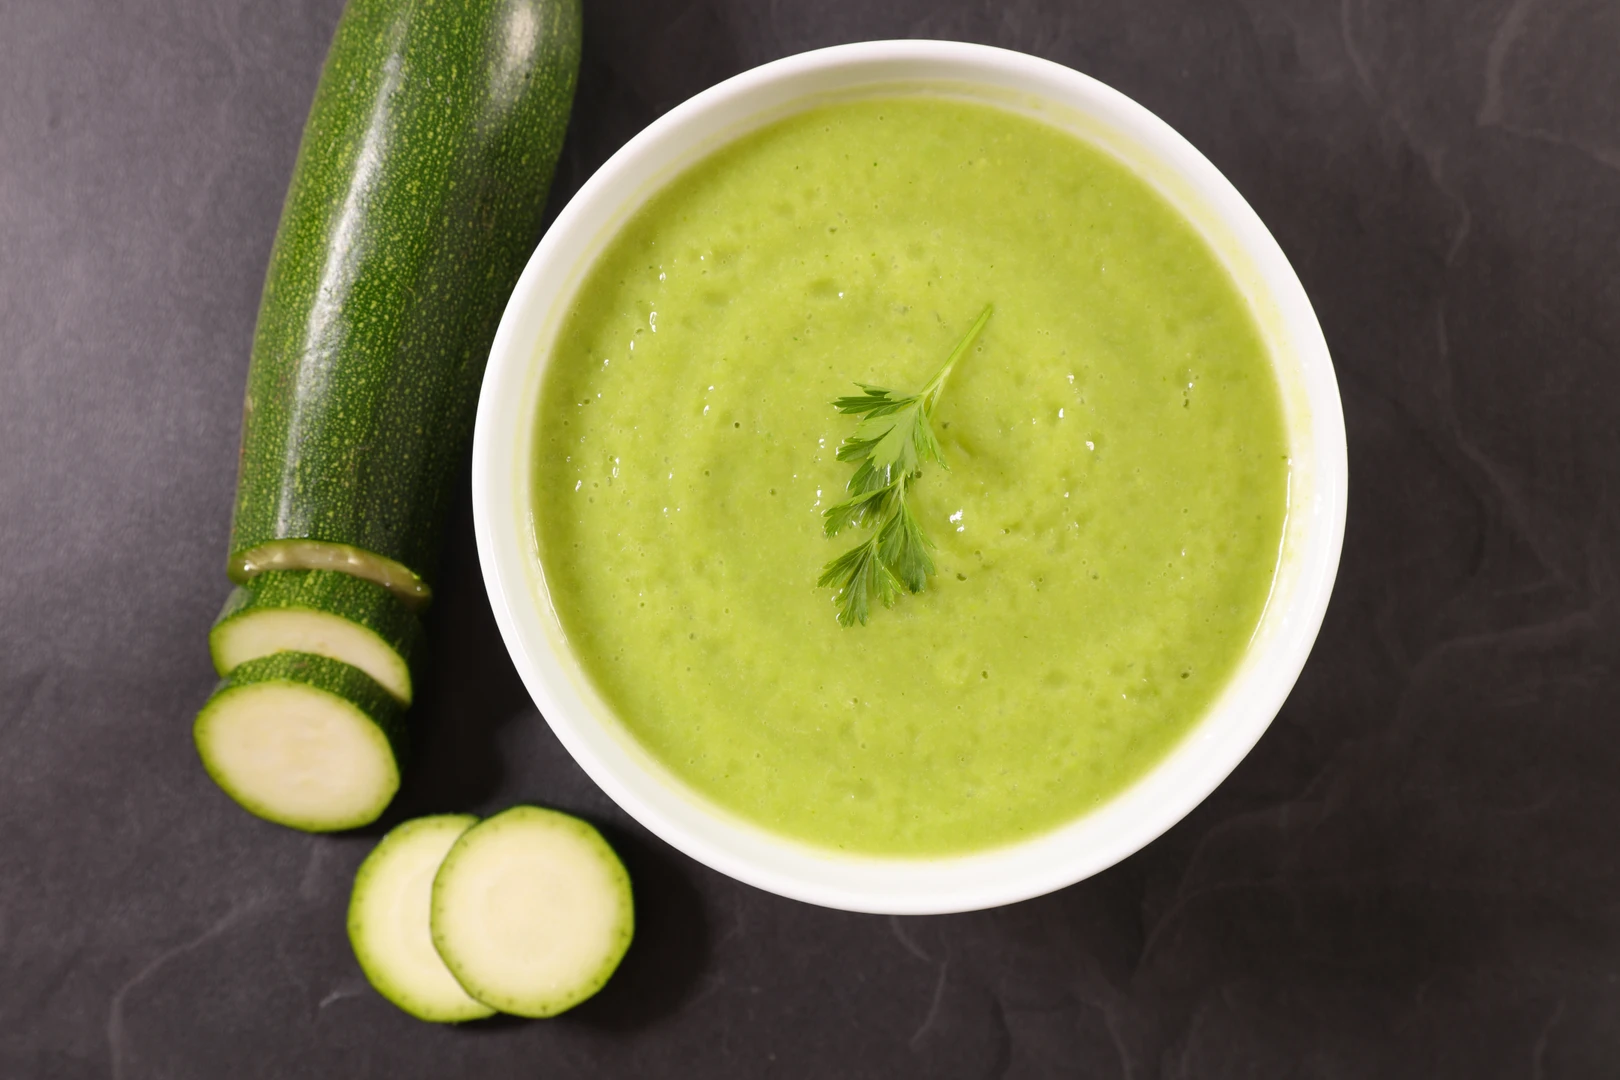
1107	529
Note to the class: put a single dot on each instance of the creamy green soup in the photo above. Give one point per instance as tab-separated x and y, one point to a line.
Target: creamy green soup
1107	529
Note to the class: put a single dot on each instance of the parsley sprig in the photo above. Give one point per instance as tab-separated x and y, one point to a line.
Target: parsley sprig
891	443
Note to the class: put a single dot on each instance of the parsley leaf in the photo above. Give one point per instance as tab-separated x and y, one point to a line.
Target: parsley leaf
890	445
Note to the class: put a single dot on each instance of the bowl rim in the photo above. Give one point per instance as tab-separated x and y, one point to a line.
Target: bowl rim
503	521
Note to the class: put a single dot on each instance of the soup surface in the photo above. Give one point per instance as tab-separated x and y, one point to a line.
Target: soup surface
1107	529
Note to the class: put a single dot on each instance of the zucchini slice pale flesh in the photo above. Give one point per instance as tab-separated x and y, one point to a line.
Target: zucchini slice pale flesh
325	612
416	199
303	740
532	911
388	921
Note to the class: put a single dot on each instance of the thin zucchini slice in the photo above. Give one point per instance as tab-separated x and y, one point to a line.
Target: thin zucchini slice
303	741
273	555
532	911
324	612
388	921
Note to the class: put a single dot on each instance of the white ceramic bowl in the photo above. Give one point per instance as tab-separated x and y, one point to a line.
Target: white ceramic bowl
506	536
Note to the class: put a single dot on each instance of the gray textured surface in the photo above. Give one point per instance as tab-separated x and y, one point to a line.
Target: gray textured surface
1416	872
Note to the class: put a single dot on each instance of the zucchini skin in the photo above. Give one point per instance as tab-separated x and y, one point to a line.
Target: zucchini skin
417	197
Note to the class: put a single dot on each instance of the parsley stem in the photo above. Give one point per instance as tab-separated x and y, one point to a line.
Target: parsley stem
930	393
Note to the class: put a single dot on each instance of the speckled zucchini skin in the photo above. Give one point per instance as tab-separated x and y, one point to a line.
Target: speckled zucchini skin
415	202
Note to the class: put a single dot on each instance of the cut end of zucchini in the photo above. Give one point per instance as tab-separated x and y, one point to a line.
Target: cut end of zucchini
388	921
325	555
323	612
532	911
302	741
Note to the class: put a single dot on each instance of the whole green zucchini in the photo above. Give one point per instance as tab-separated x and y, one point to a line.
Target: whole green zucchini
416	200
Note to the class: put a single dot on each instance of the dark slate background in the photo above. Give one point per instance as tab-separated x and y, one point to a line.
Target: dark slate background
1415	874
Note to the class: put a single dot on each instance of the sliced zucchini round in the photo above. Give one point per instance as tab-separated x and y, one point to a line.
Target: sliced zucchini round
532	911
303	740
325	612
388	921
